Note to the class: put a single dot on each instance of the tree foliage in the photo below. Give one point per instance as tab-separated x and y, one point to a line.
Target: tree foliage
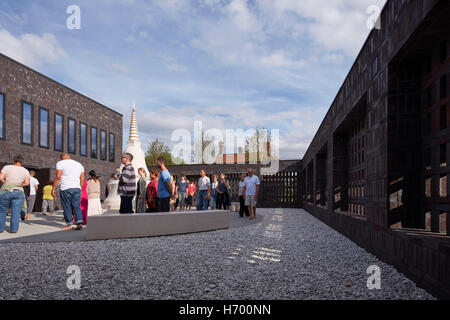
156	150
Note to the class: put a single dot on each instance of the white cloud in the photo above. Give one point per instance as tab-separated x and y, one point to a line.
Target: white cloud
30	49
279	59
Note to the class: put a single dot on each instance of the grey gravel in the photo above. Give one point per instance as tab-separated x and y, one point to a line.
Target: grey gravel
286	254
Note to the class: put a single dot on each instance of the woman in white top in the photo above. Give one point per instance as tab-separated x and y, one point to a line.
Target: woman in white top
14	178
94	191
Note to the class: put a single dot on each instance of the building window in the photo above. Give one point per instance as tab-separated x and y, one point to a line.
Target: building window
444	86
72	131
27	123
59	132
2	116
112	147
443	154
444	51
43	127
83	139
94	142
443	117
102	145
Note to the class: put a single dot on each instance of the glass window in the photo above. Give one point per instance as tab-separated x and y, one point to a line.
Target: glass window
27	123
112	147
93	142
43	127
2	116
83	139
59	132
102	145
72	137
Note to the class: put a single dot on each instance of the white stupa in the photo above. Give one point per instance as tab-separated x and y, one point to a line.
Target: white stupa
135	148
134	145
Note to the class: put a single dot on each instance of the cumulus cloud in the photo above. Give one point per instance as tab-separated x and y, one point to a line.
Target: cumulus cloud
30	49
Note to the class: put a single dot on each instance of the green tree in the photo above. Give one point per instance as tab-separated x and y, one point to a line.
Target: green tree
159	149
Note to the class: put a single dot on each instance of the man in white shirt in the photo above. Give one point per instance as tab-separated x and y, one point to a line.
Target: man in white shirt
70	174
251	189
34	183
204	191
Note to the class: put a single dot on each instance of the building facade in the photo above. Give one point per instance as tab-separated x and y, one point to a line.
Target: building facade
378	167
41	118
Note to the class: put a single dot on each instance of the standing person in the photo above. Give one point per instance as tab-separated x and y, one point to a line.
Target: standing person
173	200
48	200
13	178
70	174
127	184
204	191
152	192
84	203
222	189
243	209
229	196
182	192
94	192
251	189
191	194
113	178
34	185
141	190
165	189
214	192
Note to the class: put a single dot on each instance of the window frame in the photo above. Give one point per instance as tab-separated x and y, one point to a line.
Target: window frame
74	135
96	143
105	157
48	128
23	103
56	115
3	118
86	139
113	158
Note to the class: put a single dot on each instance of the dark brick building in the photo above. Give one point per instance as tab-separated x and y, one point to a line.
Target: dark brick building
377	169
40	118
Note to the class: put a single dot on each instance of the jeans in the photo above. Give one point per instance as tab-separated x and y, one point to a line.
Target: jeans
213	203
243	209
31	201
182	199
14	199
202	203
164	204
222	201
71	202
47	204
126	205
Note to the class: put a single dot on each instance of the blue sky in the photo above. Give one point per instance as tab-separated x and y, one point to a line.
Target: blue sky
233	64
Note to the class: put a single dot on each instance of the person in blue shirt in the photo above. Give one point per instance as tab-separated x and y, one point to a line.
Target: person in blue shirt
165	191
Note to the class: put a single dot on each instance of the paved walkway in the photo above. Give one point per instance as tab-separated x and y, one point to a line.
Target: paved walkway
286	254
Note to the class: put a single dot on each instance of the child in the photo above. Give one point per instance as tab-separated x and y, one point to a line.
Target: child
47	199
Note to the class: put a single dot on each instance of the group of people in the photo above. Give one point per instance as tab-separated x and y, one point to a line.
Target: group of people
162	193
80	197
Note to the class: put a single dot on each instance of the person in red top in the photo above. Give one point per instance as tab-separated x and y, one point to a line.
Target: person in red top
190	194
152	192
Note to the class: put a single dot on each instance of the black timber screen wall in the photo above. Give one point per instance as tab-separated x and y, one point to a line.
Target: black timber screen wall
280	190
387	135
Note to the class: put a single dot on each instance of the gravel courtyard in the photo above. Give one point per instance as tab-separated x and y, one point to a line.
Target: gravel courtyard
286	254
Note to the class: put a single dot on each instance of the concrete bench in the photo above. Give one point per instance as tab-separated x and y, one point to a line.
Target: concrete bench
116	226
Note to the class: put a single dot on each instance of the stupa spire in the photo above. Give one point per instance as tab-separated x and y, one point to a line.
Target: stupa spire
134	135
